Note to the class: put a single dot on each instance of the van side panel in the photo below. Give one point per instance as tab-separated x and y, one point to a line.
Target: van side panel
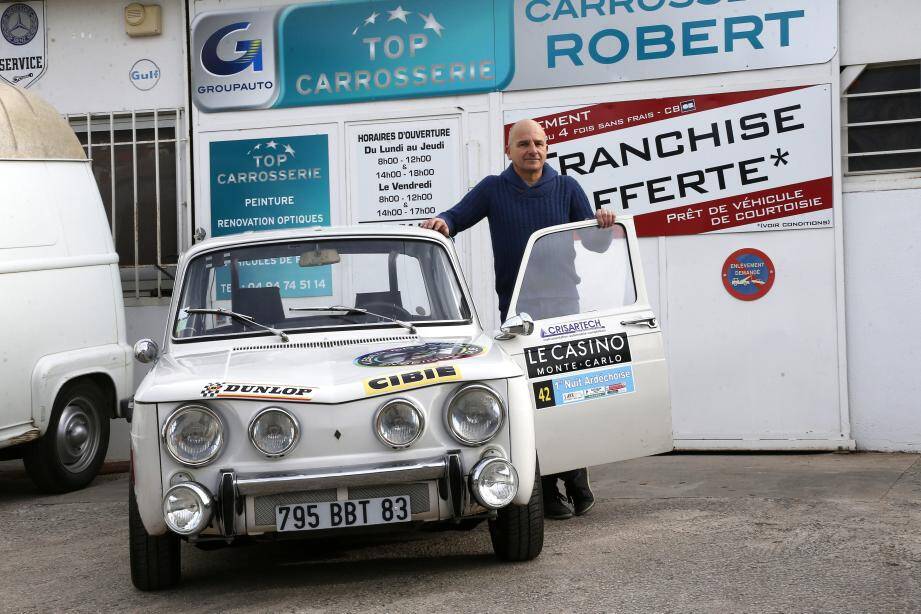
58	293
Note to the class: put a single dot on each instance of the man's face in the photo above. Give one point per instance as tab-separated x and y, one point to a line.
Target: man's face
527	148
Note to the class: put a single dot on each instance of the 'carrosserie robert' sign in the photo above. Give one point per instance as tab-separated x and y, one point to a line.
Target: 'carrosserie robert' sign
569	356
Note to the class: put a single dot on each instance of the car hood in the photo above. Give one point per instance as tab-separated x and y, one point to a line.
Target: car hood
324	372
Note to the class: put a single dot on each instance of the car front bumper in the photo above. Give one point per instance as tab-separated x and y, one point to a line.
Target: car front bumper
245	502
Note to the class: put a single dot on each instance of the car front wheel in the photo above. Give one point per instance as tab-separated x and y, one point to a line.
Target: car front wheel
154	558
517	532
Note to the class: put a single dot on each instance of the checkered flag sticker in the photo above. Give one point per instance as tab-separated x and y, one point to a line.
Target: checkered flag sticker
210	391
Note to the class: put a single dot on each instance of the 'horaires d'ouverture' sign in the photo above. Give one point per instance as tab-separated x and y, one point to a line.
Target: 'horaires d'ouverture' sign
333	53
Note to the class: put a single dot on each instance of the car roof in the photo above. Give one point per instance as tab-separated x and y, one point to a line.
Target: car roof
315	232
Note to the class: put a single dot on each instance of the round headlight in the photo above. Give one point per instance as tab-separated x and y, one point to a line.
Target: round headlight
399	423
274	431
187	508
475	415
494	482
193	435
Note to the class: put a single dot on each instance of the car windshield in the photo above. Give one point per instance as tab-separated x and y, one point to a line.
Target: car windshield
281	285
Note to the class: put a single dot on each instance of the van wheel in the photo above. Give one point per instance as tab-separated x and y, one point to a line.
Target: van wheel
518	530
154	558
71	451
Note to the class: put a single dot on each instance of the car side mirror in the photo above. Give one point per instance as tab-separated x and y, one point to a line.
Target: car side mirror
521	324
146	351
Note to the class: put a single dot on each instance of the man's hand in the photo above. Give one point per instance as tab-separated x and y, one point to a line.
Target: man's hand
605	218
439	225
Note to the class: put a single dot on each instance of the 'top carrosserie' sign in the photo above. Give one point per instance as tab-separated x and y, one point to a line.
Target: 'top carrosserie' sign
341	52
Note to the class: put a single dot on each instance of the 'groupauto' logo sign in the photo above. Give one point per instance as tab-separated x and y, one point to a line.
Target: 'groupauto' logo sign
251	50
235	53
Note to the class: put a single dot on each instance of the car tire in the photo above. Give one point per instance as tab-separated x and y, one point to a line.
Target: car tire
517	532
70	453
154	558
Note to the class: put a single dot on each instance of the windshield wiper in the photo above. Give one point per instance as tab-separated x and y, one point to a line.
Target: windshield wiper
242	317
357	310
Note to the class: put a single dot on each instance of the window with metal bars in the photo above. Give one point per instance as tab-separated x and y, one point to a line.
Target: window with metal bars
883	111
136	159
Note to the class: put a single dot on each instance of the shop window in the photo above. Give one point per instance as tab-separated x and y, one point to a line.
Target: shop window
883	110
136	161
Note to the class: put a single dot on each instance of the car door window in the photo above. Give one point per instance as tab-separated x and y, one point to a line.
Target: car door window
577	271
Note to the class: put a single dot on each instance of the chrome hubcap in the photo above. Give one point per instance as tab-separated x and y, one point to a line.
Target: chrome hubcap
78	434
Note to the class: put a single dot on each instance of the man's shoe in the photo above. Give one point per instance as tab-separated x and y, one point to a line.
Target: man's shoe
582	501
556	507
580	491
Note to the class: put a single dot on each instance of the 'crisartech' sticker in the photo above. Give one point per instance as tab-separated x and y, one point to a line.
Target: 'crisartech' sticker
411	379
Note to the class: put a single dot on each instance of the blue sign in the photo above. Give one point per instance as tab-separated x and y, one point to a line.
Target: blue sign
584	387
271	183
262	184
385	50
286	274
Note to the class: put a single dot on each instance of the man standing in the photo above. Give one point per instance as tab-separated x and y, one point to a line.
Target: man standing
529	195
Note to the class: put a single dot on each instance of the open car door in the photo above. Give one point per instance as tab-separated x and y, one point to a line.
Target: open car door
595	360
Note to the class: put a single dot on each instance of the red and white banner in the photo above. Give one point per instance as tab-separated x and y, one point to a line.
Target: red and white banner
735	162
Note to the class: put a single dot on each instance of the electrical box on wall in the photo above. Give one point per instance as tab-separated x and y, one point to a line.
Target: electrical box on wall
143	19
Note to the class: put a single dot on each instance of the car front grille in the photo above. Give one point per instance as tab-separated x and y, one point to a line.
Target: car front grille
418	492
265	506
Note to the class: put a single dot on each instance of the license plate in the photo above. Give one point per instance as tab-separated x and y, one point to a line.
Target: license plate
338	514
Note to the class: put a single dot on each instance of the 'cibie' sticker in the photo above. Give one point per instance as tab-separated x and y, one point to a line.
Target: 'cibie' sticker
411	379
226	390
568	356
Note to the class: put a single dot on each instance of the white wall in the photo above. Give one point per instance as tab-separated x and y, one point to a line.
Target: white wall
883	296
882	251
879	31
90	57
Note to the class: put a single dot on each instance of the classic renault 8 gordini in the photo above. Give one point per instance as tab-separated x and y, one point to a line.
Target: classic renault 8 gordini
327	380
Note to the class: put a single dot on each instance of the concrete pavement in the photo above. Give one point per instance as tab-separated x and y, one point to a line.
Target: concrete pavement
700	533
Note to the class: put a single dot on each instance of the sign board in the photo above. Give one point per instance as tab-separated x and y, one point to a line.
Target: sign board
748	274
404	171
419	48
715	163
566	42
271	183
332	53
23	45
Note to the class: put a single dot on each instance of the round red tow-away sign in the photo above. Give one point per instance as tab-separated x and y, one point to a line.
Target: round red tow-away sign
748	274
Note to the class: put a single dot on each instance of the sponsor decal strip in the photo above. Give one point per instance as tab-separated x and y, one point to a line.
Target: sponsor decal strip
227	390
577	355
584	387
572	328
411	379
418	354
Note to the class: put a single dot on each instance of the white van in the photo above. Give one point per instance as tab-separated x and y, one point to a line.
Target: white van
63	357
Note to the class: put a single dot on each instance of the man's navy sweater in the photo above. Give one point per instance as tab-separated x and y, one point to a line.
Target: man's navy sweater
515	211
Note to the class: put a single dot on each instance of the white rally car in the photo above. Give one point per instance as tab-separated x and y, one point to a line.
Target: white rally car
331	380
